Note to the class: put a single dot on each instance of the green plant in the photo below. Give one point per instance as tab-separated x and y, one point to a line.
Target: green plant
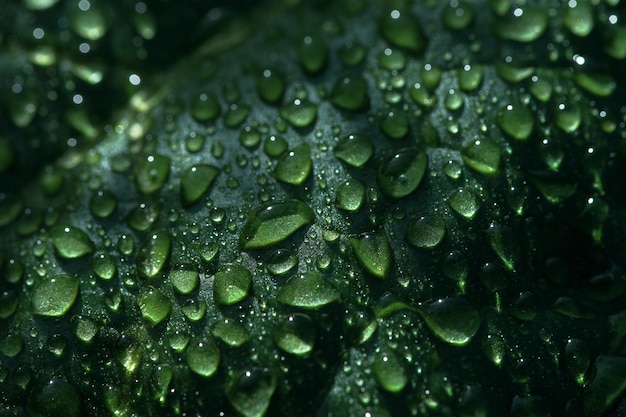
321	208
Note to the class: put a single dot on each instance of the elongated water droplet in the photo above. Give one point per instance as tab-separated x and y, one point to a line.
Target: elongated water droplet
482	155
154	305
312	53
195	181
70	242
205	107
350	93
400	174
374	253
154	254
516	121
354	149
203	358
104	266
270	86
578	17
274	222
152	173
523	24
251	392
308	290
295	334
230	332
294	166
453	320
231	284
504	244
426	231
389	372
350	195
401	28
54	295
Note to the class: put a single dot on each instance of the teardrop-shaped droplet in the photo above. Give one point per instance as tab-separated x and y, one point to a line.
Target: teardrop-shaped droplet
374	253
350	93
294	166
578	17
470	77
154	305
523	24
88	20
53	296
350	195
203	358
102	204
482	155
355	149
504	243
400	174
401	28
516	121
152	173
274	222
308	290
389	372
231	284
312	53
270	86
299	113
295	334
70	242
465	202
104	266
154	254
426	231
251	392
453	320
230	332
184	279
195	181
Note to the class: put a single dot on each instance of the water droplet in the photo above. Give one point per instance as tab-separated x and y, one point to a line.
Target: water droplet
184	279
270	86
230	332
523	24
56	398
295	334
143	216
458	15
576	358
470	77
516	121
554	186
422	96
312	53
308	290
281	261
299	113
453	100
152	173
453	320
250	137
605	386
389	372
374	253
195	181
350	93
602	85
231	284
354	149
395	124
84	328
392	59
154	254
102	204
236	115
88	20
541	88
465	202
194	310
12	345
578	17
402	29
251	392
426	231
104	266
504	243
274	146
154	305
274	222
525	306
568	117
350	195
295	166
482	155
400	174
203	358
70	242
8	303
205	107
352	53
54	295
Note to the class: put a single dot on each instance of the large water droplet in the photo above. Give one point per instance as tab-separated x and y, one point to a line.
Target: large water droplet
203	358
465	202
389	372
458	15
251	392
230	332
154	305
102	203
350	93
231	284
270	86
482	155
400	174
154	254
195	181
274	222
374	253
426	232
54	295
308	290
516	121
205	107
184	279
453	320
152	173
402	29
299	113
350	195
294	166
312	53
523	24
71	242
295	334
354	149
